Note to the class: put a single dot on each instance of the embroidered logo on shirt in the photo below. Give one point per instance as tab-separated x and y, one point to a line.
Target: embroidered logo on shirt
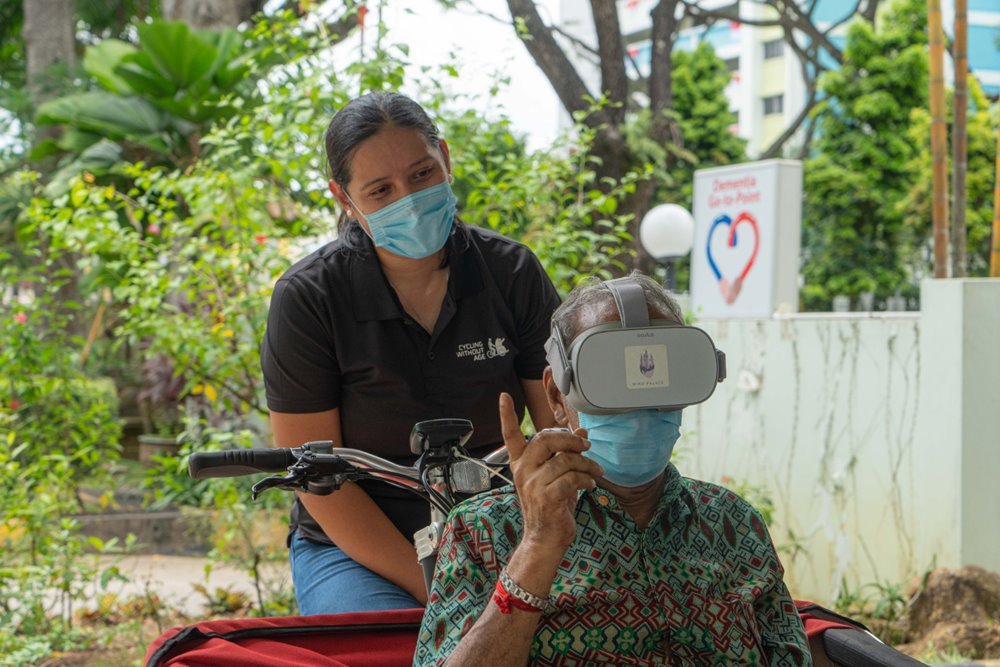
497	348
480	352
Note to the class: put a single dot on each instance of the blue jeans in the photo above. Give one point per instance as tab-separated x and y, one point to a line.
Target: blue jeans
327	581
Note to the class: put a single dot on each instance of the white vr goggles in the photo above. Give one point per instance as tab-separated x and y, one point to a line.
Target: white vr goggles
636	364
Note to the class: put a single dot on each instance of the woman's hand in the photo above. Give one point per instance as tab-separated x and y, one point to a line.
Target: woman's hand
548	472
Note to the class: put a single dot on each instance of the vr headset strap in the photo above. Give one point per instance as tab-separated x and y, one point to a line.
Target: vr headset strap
631	302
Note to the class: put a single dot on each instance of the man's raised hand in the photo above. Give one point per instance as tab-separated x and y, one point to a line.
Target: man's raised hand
549	471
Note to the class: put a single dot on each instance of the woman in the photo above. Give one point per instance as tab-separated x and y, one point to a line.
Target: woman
409	315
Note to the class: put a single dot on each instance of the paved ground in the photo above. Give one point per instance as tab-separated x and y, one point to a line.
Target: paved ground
173	579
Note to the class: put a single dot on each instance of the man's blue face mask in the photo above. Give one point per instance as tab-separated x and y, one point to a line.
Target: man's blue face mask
632	447
415	226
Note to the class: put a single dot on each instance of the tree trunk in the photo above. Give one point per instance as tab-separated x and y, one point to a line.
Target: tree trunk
211	14
939	140
959	140
48	41
661	100
50	46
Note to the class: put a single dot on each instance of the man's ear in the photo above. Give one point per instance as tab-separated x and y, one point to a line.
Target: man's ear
557	402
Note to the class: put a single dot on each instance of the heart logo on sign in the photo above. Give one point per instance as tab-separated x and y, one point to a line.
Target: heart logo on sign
732	290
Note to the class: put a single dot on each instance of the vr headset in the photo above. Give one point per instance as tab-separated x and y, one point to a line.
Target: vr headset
635	364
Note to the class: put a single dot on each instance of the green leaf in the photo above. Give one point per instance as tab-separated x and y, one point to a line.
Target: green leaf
103	112
43	149
75	140
101	59
234	71
178	54
227	45
142	75
78	195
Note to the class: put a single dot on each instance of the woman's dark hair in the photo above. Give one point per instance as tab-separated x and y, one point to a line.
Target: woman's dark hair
362	118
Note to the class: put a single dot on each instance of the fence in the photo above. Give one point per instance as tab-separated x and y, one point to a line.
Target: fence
876	435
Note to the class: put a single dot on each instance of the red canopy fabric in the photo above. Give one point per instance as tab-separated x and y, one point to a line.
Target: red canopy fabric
364	639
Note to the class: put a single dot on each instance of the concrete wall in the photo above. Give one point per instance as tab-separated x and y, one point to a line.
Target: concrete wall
876	435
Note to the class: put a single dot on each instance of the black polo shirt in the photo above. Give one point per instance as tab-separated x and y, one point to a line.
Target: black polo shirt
337	337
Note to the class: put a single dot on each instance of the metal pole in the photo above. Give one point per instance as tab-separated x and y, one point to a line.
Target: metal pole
670	279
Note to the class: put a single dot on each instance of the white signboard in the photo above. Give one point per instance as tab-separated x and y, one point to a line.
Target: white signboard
745	259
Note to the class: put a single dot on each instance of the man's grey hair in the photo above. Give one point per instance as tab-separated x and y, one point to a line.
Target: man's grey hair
592	291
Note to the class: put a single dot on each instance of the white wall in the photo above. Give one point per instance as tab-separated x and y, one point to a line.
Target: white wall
877	435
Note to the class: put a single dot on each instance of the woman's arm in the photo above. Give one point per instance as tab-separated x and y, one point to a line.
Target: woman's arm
349	516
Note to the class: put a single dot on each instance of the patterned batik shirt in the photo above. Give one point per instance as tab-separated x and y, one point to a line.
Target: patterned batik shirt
701	585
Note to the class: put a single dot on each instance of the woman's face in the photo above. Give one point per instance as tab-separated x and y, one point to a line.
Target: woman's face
390	165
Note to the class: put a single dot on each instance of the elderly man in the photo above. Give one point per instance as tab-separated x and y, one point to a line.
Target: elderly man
605	554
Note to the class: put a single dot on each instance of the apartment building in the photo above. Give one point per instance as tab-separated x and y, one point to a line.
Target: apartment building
767	91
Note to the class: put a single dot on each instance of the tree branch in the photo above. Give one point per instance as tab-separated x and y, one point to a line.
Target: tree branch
661	95
575	41
614	80
801	22
793	127
870	10
549	56
811	123
789	15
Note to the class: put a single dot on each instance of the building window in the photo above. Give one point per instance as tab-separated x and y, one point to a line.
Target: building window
774	49
733	64
774	104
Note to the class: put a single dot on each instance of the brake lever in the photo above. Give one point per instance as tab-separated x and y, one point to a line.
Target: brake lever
276	481
303	475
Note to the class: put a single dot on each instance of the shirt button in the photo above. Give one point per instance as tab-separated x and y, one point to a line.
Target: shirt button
603	501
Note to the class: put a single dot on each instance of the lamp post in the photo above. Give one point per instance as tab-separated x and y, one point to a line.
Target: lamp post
667	234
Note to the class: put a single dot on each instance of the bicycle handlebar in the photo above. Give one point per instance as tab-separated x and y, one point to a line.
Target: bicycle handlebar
443	471
237	462
320	468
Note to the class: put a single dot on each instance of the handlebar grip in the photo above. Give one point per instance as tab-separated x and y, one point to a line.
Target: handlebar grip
236	462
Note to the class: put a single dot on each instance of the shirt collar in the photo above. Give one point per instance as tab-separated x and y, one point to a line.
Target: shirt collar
671	492
371	296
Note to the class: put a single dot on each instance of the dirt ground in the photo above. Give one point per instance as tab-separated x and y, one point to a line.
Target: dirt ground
954	611
124	649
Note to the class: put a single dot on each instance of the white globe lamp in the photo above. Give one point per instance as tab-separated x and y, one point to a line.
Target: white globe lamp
667	234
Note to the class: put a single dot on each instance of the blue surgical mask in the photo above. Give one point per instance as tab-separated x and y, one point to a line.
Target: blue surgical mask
415	226
632	447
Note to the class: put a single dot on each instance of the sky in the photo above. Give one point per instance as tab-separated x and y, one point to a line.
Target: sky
478	46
